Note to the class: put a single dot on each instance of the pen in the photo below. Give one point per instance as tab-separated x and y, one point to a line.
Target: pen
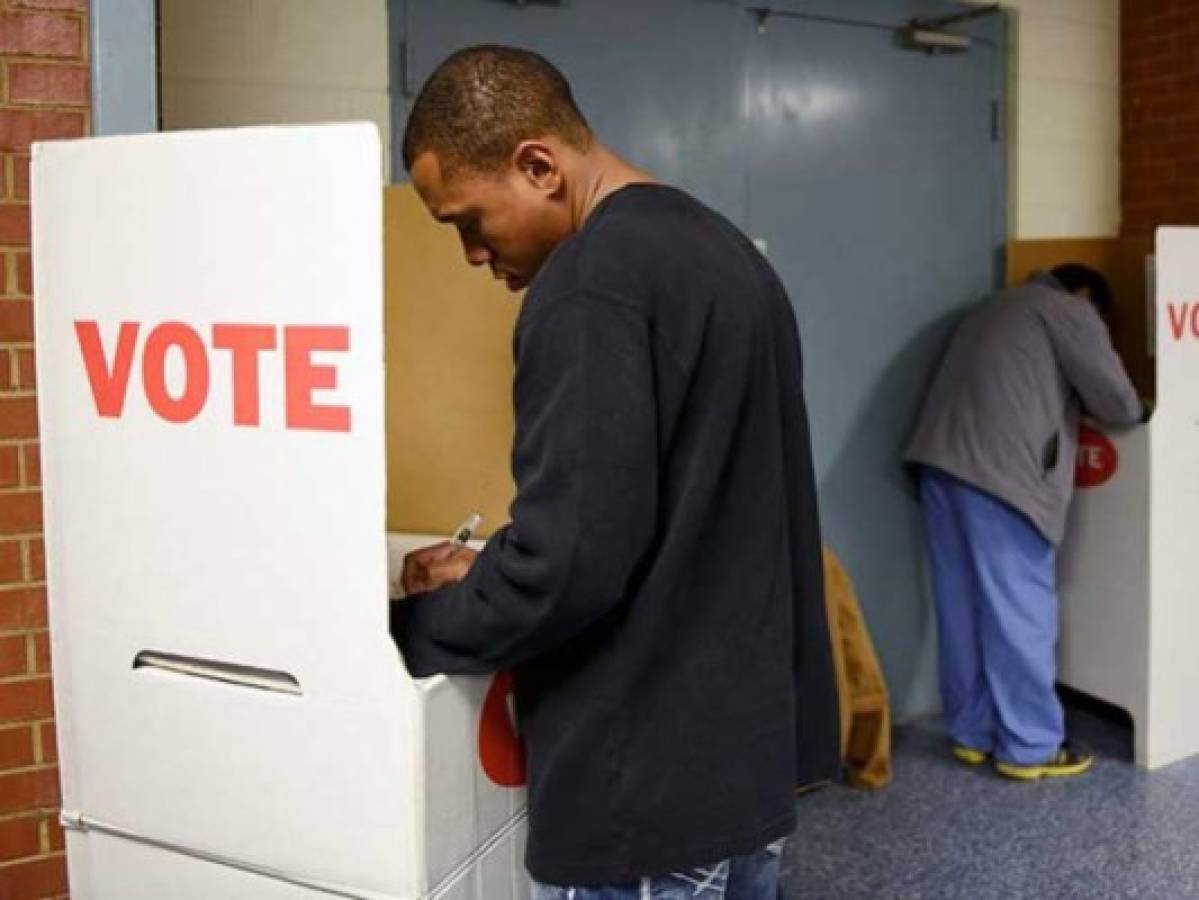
466	530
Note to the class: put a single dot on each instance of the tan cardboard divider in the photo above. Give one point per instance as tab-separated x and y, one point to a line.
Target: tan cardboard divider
449	369
234	720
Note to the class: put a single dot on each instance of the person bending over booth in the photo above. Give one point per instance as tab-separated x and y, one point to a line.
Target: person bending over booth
994	453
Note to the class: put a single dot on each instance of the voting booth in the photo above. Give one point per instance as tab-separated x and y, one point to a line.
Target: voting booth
1129	589
234	719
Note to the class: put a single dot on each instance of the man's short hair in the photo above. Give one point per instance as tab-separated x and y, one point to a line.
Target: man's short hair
1074	276
481	102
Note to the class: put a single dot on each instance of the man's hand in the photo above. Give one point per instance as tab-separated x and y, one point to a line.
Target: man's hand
429	568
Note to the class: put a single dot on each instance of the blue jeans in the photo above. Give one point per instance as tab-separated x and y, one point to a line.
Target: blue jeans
997	621
754	876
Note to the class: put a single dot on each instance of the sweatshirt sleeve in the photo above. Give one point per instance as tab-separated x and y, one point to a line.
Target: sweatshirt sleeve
1091	365
585	466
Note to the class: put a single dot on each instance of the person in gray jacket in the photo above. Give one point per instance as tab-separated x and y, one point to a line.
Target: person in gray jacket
994	455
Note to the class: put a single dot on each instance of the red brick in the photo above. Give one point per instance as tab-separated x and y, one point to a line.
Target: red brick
41	34
23	701
21	513
32	458
1147	70
37	559
49	84
26	370
1159	55
55	834
16	747
14	656
80	5
20	791
35	879
16	321
21	127
49	735
20	177
23	608
41	653
12	570
1153	44
20	838
10	466
14	223
24	273
18	417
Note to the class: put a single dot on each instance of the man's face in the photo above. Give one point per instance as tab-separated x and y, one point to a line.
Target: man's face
509	220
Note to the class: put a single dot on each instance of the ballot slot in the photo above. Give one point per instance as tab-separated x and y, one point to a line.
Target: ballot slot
236	674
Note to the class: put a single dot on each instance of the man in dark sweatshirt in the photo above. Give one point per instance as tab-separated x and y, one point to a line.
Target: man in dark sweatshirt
658	591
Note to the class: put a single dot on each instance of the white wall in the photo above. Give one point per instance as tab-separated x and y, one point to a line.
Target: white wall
250	62
1064	118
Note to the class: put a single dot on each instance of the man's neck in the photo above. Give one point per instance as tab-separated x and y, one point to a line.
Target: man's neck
600	173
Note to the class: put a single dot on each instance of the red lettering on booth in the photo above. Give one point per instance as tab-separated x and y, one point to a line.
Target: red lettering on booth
1097	459
109	383
501	751
244	342
188	404
1178	319
1184	318
304	377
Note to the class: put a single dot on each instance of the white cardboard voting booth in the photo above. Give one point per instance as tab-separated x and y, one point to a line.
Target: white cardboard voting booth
234	720
1129	584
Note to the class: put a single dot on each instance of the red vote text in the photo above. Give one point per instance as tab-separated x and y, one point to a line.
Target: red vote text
243	350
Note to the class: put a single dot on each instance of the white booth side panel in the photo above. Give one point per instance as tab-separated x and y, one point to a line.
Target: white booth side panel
210	355
1174	618
465	808
1103	573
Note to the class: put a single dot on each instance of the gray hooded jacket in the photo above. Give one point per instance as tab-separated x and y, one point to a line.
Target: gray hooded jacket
1003	411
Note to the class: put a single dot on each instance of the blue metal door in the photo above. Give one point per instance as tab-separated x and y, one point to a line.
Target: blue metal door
873	173
875	178
660	81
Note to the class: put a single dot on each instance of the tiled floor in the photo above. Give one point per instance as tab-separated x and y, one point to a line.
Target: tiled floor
946	831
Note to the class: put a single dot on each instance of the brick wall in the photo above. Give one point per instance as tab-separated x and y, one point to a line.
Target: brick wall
1160	101
43	94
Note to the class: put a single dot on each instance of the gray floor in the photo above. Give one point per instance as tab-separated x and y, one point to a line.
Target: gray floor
943	830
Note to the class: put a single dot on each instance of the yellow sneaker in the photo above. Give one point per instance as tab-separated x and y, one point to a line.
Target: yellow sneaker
1064	764
969	755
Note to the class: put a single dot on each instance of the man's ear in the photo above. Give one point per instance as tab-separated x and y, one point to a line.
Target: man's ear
537	164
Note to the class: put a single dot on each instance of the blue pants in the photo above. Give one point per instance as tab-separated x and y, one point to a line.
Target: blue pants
997	622
754	876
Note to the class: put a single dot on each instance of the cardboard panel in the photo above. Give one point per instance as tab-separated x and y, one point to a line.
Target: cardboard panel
234	719
449	377
1174	618
104	867
172	528
1130	601
1103	573
463	808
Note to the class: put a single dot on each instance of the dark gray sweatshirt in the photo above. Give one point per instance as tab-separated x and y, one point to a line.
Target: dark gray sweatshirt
1003	412
658	592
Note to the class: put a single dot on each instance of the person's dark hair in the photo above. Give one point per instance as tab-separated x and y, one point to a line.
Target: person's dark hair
1074	276
481	102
